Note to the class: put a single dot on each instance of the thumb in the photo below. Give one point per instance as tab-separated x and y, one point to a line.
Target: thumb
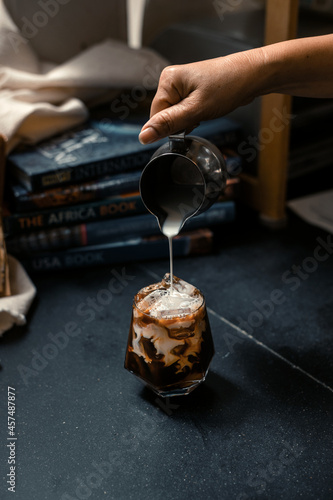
181	116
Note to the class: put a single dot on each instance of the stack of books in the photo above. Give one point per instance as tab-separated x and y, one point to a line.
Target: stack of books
74	201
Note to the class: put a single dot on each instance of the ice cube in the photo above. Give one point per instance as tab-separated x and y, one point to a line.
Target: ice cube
171	313
187	324
180	285
166	302
151	302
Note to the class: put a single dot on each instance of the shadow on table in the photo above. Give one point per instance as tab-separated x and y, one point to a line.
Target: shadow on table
209	398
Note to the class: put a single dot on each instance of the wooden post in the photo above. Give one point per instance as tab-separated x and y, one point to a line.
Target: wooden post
281	24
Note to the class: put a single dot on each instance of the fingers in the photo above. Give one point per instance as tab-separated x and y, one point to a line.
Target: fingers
181	116
170	89
175	106
148	135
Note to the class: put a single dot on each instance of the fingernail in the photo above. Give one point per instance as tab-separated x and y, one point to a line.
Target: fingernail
148	135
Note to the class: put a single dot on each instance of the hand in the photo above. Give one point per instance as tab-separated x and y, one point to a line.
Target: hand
204	90
190	93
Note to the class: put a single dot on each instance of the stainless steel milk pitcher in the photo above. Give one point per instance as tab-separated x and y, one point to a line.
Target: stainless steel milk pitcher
186	175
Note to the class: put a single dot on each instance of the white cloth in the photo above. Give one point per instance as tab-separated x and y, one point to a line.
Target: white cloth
39	98
14	308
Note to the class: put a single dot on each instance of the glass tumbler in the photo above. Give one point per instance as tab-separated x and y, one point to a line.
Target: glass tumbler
169	350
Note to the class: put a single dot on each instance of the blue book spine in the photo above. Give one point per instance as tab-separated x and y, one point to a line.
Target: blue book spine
23	200
97	149
110	230
122	251
117	206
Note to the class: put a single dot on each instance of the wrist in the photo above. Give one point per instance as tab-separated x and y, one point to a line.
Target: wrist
255	72
265	71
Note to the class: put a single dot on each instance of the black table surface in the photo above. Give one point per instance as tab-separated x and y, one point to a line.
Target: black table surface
260	426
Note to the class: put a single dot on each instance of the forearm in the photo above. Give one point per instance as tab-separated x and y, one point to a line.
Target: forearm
301	67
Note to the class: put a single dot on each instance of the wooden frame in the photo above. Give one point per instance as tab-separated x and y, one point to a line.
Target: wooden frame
267	191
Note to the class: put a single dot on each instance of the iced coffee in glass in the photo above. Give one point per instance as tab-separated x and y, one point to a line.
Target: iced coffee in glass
170	345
